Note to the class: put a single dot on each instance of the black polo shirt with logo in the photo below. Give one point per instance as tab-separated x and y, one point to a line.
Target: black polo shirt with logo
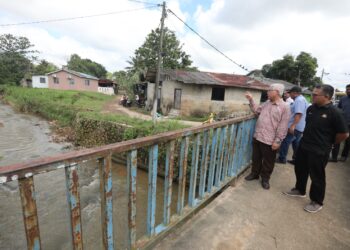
322	124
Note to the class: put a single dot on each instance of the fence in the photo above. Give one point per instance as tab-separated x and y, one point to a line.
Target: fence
218	152
106	90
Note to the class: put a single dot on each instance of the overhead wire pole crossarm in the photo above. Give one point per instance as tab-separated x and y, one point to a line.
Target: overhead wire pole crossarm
205	40
78	17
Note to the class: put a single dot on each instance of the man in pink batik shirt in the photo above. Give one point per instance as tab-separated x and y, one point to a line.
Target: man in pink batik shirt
271	128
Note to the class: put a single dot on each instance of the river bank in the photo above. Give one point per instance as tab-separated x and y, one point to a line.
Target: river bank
25	137
79	118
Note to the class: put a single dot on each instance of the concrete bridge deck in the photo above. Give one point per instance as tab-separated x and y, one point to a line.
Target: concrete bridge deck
249	217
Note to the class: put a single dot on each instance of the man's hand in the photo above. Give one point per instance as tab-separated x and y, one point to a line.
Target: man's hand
248	95
275	146
291	129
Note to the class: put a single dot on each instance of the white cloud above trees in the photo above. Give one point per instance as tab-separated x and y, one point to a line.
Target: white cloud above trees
251	32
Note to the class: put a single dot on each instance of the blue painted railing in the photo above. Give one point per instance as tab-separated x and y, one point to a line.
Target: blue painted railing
219	153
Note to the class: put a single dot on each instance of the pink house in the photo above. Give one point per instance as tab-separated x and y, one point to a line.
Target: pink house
66	79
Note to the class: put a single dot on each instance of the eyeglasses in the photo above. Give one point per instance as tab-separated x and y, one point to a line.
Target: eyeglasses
314	95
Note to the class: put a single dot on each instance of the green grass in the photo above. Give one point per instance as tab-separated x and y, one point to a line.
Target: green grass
193	118
138	127
66	106
59	105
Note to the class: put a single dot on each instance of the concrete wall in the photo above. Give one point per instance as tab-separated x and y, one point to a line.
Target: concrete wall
64	84
196	99
106	90
37	84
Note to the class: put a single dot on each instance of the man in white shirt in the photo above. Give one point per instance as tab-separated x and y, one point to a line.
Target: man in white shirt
287	97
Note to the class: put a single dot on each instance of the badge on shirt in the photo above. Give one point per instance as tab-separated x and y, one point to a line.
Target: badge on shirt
324	116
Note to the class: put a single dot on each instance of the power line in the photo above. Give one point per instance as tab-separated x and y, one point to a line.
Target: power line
75	18
205	40
144	2
194	48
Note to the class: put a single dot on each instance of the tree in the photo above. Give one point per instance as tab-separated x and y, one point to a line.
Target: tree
126	80
16	58
300	69
306	66
86	66
173	55
44	67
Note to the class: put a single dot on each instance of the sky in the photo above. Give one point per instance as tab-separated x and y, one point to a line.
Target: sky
250	32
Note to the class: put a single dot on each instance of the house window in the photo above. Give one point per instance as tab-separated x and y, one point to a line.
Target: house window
71	81
42	80
87	82
56	80
218	94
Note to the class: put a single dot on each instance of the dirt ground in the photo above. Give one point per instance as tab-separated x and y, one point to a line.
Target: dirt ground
249	217
113	107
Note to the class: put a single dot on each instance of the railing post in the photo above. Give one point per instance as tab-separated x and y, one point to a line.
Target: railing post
235	162
105	169
204	164
169	171
194	167
182	174
241	148
212	159
131	180
246	144
30	215
73	198
220	156
233	142
152	188
228	150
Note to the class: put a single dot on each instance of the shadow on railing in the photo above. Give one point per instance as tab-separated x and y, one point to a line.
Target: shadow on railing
211	155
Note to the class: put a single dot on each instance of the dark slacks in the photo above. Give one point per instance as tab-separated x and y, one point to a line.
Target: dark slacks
263	159
311	164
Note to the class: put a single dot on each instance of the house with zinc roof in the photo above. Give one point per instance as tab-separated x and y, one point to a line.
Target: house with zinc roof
194	93
66	79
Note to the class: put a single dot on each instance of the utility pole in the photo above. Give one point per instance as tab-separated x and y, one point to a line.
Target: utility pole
156	87
322	75
298	77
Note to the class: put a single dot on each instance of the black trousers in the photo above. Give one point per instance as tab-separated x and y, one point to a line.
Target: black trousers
311	164
263	159
346	149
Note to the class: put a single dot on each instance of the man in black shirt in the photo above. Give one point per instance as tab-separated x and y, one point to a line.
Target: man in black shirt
344	104
325	125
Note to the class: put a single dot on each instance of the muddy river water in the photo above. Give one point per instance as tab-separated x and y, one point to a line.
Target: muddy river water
24	137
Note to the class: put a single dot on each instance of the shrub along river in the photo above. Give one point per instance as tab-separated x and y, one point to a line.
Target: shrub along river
24	137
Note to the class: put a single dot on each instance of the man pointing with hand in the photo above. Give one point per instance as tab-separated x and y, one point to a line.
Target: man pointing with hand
271	128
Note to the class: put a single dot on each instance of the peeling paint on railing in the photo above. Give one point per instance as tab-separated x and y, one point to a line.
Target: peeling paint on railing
211	155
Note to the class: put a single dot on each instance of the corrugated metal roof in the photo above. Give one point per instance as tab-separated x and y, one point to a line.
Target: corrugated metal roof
82	75
208	78
287	85
257	74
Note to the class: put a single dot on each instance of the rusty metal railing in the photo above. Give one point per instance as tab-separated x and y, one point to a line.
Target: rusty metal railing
220	152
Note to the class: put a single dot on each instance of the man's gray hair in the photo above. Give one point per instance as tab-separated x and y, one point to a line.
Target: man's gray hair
278	87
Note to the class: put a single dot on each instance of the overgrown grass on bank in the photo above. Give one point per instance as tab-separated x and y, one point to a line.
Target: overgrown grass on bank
59	105
134	127
82	112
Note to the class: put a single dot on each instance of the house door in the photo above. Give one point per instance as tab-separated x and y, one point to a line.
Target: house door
177	98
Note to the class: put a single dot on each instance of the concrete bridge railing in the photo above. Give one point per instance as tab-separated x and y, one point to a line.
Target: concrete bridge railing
208	158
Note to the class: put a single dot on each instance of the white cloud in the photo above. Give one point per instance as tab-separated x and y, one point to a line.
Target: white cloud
109	40
252	33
